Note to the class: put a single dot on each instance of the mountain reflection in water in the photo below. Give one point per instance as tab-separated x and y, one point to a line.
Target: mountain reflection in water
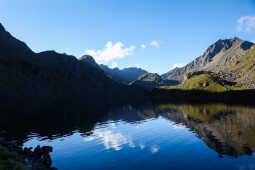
157	136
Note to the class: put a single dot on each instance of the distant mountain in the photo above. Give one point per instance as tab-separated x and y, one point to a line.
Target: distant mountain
30	80
125	75
152	80
225	57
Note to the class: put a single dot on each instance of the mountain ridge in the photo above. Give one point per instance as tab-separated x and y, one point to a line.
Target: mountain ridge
216	58
33	81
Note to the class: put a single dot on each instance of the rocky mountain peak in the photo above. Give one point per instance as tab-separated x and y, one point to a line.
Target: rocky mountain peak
222	45
218	54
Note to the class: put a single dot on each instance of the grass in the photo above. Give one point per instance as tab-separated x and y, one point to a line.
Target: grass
203	82
207	82
245	61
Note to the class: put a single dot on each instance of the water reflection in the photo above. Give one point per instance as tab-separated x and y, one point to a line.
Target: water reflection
111	139
226	129
173	132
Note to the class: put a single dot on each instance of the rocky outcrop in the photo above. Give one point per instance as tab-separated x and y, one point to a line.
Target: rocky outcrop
13	156
152	80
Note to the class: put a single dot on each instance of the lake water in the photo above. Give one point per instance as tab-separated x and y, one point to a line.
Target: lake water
166	136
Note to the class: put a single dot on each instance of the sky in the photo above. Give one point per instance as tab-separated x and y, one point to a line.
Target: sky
156	35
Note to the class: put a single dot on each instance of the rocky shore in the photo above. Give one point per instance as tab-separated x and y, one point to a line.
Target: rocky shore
13	156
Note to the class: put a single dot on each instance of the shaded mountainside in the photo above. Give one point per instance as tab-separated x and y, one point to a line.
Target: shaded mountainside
126	75
32	80
11	46
225	57
89	60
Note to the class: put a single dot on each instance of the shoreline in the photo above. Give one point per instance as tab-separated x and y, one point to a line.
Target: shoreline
244	97
13	156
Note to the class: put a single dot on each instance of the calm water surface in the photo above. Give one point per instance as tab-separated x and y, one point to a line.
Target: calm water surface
165	136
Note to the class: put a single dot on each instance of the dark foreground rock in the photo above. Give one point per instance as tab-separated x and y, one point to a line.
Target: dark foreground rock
13	156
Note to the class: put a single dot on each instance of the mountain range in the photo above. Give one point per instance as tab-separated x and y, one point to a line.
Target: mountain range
46	78
126	75
231	59
35	80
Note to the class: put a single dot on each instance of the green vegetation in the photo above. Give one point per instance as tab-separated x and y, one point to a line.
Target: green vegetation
245	61
203	113
244	65
207	82
10	160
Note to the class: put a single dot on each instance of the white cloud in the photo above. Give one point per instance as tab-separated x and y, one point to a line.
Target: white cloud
131	144
177	65
114	65
246	24
111	140
111	51
142	146
178	126
89	138
113	125
154	149
155	44
143	46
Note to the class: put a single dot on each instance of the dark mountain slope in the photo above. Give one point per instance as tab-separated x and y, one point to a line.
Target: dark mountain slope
34	81
10	46
89	60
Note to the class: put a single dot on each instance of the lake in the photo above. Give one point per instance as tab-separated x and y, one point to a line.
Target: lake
162	136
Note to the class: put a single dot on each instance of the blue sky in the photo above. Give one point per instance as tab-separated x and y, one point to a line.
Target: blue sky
114	31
